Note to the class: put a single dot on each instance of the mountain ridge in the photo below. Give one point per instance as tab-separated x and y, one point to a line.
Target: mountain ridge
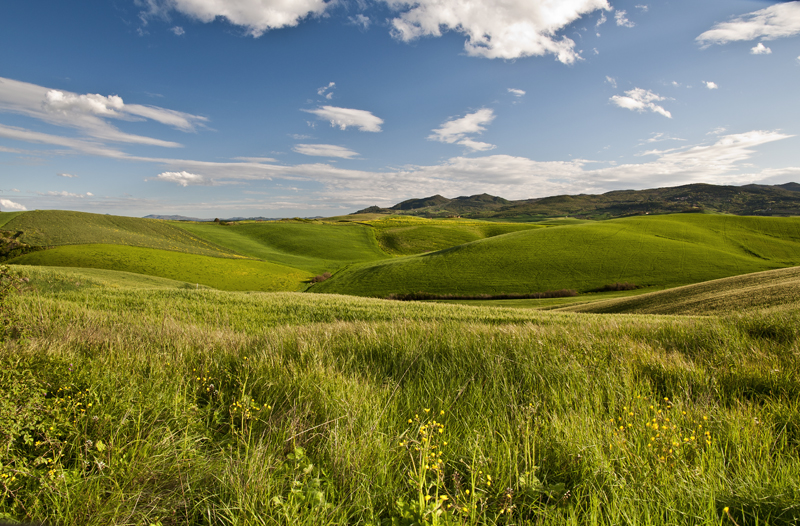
752	199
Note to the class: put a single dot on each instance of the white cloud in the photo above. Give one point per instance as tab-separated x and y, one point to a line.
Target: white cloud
644	8
88	113
509	29
612	81
89	194
516	92
329	88
776	21
257	16
602	20
640	100
184	179
66	175
711	85
760	49
456	130
658	137
325	150
178	30
256	159
346	117
717	131
622	20
360	20
11	205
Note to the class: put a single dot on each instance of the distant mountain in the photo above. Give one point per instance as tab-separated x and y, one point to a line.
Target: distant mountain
175	218
753	199
228	219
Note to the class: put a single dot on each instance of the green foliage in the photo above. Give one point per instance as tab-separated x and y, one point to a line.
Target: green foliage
662	251
221	273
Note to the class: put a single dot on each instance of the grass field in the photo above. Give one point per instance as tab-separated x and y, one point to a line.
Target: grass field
205	407
773	289
59	227
310	246
652	251
220	273
61	279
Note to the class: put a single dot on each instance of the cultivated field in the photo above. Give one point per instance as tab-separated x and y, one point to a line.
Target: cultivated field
165	406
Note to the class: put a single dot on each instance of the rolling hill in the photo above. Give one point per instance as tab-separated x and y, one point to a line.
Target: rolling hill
663	251
772	289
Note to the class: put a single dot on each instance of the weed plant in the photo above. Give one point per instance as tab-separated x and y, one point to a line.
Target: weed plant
204	407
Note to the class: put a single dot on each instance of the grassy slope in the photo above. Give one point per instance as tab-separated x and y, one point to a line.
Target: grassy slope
313	247
58	227
61	279
648	251
220	273
5	217
182	407
777	289
411	235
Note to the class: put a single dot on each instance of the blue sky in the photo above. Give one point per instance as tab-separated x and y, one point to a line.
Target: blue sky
280	108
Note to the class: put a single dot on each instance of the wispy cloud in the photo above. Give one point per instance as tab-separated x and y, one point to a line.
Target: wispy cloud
776	21
70	176
325	150
612	81
344	118
178	30
326	91
641	100
621	17
516	92
457	130
361	21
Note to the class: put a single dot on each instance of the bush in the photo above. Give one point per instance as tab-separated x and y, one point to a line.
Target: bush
321	277
616	286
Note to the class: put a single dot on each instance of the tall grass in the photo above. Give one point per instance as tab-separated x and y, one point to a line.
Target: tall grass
203	407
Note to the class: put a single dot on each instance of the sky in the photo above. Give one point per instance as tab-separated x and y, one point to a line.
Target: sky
284	108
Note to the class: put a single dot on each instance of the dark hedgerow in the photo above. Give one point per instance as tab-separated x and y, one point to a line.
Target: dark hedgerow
420	296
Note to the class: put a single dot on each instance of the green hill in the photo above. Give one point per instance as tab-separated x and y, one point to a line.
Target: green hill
407	235
772	289
308	245
220	273
664	251
60	227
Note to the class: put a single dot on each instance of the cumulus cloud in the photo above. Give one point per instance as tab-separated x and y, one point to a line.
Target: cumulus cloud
776	21
711	85
516	92
622	19
347	117
760	49
94	104
641	100
256	16
509	29
325	150
457	130
184	179
11	205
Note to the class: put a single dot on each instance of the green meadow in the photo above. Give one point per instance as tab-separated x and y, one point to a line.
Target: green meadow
173	373
174	406
220	273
